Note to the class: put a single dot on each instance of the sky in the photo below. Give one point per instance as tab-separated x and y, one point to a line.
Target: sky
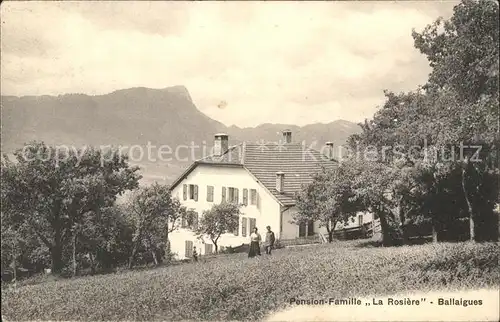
242	63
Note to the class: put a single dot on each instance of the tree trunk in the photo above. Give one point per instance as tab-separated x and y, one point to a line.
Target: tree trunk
135	245
469	206
330	234
92	264
14	259
56	256
402	219
434	231
132	256
74	254
384	226
153	253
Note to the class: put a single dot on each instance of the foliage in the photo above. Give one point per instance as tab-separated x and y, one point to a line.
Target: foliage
421	138
233	287
50	193
152	214
327	200
221	218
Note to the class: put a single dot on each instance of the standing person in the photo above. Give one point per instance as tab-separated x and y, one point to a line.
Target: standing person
195	254
255	240
269	242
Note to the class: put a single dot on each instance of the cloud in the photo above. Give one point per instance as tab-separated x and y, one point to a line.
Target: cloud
272	62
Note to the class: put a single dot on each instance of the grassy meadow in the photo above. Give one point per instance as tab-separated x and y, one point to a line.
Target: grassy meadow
233	287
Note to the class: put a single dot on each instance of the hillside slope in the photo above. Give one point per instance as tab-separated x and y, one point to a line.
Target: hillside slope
140	116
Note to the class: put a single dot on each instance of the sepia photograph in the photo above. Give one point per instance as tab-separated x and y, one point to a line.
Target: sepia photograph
250	160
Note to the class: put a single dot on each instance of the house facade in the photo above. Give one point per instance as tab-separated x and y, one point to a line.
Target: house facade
263	178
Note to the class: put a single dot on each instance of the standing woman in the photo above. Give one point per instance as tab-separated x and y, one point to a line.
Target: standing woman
255	240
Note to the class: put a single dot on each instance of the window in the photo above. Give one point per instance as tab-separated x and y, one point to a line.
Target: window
360	220
233	195
244	227
245	197
253	196
191	191
210	193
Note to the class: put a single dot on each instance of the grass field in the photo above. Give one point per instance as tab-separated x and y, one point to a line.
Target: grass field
233	287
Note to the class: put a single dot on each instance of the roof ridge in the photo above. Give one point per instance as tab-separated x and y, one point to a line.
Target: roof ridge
213	155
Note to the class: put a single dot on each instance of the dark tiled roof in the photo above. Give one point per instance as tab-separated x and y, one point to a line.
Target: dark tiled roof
295	160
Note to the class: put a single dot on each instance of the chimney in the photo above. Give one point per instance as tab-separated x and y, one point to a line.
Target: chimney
221	144
280	181
287	136
329	150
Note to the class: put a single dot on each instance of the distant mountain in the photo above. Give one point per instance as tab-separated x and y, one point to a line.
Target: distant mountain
137	116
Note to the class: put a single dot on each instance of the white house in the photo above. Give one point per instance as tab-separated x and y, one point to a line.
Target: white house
262	177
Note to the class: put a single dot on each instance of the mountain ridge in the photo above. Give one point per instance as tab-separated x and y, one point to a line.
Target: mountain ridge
139	116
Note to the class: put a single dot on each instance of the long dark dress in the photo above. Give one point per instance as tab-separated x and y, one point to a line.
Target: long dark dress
254	249
255	240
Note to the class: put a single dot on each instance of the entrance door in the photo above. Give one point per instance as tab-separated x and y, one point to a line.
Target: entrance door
310	228
302	229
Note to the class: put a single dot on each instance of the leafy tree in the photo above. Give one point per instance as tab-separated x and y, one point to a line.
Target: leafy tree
221	218
153	213
327	199
50	192
105	238
463	85
457	106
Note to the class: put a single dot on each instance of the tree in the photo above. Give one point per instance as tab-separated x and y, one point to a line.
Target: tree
50	192
326	199
463	53
105	238
153	213
221	218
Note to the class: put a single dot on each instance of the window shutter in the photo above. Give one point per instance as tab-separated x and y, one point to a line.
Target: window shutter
253	196
252	224
223	194
184	191
210	193
183	221
208	249
196	193
189	249
245	197
243	227
236	197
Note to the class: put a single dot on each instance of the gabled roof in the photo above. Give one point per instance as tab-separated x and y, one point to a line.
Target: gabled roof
298	162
